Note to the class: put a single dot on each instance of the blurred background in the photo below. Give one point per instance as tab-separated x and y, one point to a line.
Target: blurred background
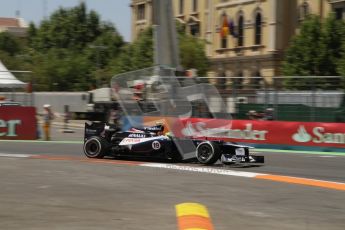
271	60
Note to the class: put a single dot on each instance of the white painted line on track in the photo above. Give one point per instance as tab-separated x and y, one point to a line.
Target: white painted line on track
15	155
203	170
273	151
270	177
215	171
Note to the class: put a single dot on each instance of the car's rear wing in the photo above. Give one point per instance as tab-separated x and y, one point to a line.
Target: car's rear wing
93	129
153	129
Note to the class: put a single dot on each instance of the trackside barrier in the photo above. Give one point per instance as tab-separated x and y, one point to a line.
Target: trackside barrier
18	123
275	134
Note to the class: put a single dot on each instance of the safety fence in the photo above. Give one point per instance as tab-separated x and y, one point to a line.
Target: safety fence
304	98
156	90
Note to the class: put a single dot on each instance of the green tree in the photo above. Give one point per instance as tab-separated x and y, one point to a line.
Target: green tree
139	54
314	51
192	54
62	70
11	48
73	44
10	44
341	61
71	28
136	55
341	67
302	58
333	38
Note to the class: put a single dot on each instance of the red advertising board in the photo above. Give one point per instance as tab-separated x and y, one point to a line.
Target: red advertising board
261	132
18	123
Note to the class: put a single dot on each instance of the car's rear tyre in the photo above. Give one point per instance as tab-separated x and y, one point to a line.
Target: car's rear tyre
208	153
95	147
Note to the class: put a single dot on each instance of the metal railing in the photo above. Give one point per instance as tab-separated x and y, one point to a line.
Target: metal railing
311	98
279	98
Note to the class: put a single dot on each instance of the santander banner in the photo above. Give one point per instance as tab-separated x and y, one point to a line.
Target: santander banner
18	123
262	132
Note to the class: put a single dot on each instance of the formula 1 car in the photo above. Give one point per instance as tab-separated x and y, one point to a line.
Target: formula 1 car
103	139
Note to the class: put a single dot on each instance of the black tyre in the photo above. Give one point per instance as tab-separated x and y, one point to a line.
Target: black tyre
208	153
95	147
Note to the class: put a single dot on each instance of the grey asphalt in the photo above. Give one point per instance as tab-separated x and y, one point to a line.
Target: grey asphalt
45	194
322	167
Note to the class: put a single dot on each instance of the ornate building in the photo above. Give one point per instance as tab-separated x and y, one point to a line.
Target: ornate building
246	38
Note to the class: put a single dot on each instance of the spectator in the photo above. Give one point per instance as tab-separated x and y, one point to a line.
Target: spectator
48	116
252	115
260	115
269	114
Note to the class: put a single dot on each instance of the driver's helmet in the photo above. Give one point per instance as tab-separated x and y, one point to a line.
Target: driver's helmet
161	132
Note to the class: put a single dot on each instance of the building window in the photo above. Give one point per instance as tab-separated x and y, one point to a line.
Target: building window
224	43
195	29
258	29
238	80
338	13
224	31
195	5
141	12
256	81
240	31
194	26
181	9
303	11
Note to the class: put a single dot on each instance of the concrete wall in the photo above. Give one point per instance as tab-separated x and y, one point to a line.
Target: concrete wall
77	101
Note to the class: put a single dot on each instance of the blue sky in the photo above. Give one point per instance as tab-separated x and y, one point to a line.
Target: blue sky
115	11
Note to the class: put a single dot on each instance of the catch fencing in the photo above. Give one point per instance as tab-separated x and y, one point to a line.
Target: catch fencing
309	98
279	98
312	98
302	98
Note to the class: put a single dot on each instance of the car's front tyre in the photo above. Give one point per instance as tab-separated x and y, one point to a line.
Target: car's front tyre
95	147
208	153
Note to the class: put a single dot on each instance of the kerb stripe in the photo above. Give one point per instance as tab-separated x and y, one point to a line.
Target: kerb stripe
193	216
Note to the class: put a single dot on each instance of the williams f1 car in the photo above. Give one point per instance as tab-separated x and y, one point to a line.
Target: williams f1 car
102	139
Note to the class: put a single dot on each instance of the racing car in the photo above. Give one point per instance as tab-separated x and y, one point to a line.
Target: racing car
102	139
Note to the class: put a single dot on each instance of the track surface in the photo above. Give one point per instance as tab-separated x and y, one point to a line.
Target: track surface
78	194
322	167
